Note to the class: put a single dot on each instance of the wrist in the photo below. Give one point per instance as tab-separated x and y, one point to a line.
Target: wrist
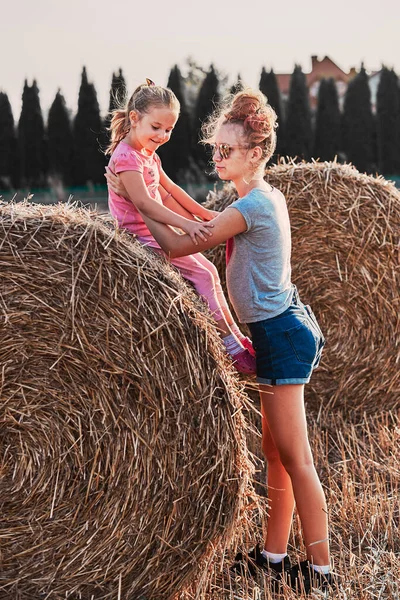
202	212
184	222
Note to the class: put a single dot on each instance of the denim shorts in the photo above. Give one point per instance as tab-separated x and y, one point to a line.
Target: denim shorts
289	346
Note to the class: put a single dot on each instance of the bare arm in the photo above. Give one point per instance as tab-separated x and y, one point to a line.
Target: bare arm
170	202
114	182
228	224
147	206
183	198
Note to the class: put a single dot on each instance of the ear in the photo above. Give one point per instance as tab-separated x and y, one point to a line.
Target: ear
256	153
133	117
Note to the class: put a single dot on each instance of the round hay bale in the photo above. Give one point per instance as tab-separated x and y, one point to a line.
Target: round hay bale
345	261
123	458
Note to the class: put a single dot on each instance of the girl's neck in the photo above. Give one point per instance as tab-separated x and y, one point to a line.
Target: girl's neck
244	186
131	141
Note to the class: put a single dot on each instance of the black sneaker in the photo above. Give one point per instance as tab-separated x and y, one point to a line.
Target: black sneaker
303	578
248	564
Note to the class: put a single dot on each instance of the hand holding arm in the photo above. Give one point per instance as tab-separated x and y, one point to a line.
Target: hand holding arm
183	198
228	224
130	185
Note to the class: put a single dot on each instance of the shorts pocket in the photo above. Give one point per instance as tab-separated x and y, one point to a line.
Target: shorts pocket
303	342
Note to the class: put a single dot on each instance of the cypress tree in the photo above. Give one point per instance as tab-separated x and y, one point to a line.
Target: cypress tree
388	122
60	140
175	154
8	145
207	98
358	123
298	130
31	138
193	80
118	97
89	159
118	91
328	121
269	87
238	86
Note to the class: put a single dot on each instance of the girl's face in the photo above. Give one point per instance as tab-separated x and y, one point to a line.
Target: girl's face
151	130
231	153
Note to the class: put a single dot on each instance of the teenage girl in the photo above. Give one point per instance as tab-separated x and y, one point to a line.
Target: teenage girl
286	337
137	131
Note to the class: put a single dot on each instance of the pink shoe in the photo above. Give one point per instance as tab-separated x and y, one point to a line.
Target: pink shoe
244	362
248	344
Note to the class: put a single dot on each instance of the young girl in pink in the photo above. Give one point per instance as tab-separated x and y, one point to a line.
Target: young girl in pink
137	131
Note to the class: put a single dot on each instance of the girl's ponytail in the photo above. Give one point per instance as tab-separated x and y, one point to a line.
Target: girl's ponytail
119	128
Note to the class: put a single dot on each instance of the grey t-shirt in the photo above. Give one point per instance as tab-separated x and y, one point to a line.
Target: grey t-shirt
258	273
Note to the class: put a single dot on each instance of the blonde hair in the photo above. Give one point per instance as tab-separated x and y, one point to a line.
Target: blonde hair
145	96
250	109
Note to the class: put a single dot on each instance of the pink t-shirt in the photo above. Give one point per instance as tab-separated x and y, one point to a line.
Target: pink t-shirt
126	158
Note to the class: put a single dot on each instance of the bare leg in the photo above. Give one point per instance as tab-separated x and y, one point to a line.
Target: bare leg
223	328
280	496
285	416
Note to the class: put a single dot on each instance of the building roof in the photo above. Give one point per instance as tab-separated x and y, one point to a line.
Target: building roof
319	69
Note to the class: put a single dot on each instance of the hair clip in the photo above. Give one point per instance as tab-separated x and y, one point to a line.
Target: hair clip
150	82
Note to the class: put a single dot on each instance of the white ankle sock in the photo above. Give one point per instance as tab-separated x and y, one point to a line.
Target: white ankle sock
274	558
322	568
232	344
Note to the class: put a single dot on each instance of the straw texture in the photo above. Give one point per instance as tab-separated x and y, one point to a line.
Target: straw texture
346	264
124	466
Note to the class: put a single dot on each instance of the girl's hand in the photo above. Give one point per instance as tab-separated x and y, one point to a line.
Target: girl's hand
194	229
115	184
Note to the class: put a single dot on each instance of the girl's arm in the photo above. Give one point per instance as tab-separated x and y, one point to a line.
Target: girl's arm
184	199
115	183
228	224
146	205
173	205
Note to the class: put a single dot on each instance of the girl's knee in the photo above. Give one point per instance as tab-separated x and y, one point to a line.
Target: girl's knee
211	268
270	452
296	461
292	458
205	280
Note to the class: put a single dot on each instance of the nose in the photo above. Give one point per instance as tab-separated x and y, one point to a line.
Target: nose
216	156
162	136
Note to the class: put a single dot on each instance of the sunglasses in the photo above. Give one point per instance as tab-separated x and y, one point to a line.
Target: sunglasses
225	149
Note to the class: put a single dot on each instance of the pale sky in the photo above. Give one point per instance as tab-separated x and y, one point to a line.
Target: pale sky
51	40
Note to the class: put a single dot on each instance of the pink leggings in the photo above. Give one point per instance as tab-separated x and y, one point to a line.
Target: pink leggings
204	276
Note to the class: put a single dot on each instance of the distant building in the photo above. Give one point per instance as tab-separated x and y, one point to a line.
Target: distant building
320	69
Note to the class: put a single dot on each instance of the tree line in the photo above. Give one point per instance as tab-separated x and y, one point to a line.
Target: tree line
71	150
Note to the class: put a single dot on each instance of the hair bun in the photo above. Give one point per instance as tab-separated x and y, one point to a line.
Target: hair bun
250	110
258	122
243	106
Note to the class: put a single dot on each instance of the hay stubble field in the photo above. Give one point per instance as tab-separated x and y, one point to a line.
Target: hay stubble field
129	479
359	465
